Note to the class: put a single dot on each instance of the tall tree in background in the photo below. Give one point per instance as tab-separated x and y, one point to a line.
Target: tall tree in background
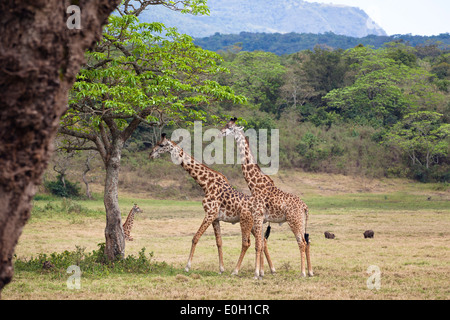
39	59
258	76
140	73
423	138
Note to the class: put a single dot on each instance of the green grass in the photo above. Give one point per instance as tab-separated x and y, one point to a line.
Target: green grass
378	202
411	248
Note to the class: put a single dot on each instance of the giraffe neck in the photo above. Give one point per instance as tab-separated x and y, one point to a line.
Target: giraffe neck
128	225
256	180
130	218
202	174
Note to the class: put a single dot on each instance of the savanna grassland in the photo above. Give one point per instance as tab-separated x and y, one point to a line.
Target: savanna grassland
411	222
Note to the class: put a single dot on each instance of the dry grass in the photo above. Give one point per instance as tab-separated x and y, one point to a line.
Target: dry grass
411	247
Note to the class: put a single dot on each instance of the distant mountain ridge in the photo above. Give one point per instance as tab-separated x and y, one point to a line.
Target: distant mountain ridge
281	16
294	42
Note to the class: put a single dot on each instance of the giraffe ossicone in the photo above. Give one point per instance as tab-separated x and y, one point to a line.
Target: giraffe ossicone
221	203
279	206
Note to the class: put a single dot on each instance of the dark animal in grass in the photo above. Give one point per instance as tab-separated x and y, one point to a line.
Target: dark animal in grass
47	265
368	234
329	235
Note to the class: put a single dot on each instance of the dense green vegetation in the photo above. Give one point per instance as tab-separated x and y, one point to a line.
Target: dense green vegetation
288	43
365	111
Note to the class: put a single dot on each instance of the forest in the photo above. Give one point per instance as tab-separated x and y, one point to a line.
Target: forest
366	111
363	111
289	43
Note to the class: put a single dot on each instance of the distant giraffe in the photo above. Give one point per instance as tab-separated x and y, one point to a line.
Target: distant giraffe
221	203
279	206
129	222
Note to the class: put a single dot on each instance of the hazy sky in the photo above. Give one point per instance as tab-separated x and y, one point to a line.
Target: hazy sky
419	17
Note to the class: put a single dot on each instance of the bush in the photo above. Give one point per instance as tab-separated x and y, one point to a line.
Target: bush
57	188
93	263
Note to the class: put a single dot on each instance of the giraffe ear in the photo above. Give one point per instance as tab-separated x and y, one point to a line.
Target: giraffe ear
234	119
163	135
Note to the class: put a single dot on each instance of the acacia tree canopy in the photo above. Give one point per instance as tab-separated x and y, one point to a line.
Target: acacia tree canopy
421	136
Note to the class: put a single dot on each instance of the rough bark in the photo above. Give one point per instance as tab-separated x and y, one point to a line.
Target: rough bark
114	236
39	59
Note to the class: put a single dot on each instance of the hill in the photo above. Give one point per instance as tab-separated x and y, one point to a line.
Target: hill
294	42
284	16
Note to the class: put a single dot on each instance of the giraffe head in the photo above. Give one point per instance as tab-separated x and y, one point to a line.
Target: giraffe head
136	209
164	145
231	129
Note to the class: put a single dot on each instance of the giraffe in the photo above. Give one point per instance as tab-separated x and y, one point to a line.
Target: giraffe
220	203
129	222
279	206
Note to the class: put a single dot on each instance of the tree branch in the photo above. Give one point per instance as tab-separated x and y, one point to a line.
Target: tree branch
77	134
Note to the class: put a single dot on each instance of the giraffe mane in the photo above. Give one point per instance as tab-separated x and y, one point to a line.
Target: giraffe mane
256	164
201	164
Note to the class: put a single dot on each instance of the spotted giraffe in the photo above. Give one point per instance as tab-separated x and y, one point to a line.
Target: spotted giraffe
279	206
129	222
221	203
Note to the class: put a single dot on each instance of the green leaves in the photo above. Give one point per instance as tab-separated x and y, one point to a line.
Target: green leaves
384	90
146	69
258	76
421	136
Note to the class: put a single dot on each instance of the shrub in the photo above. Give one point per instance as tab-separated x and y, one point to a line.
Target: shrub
60	189
92	263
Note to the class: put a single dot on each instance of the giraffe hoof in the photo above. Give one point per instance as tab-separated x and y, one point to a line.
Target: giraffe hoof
234	273
273	271
310	273
186	269
303	274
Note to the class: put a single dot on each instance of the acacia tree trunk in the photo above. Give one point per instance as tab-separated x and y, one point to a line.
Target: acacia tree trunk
115	240
39	59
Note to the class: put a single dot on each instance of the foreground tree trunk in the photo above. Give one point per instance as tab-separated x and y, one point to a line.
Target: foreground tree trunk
39	59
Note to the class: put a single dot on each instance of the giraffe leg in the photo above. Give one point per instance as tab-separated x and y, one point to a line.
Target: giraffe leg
308	260
266	253
246	226
308	245
299	236
216	226
261	263
258	248
205	224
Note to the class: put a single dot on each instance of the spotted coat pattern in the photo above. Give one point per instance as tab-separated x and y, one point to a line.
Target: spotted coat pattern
221	203
279	206
129	222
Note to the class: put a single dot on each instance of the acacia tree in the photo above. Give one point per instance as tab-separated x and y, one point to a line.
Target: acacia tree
258	76
421	136
39	59
385	89
140	73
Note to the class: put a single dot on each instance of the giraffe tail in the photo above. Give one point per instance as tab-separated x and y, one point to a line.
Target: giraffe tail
267	233
306	224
